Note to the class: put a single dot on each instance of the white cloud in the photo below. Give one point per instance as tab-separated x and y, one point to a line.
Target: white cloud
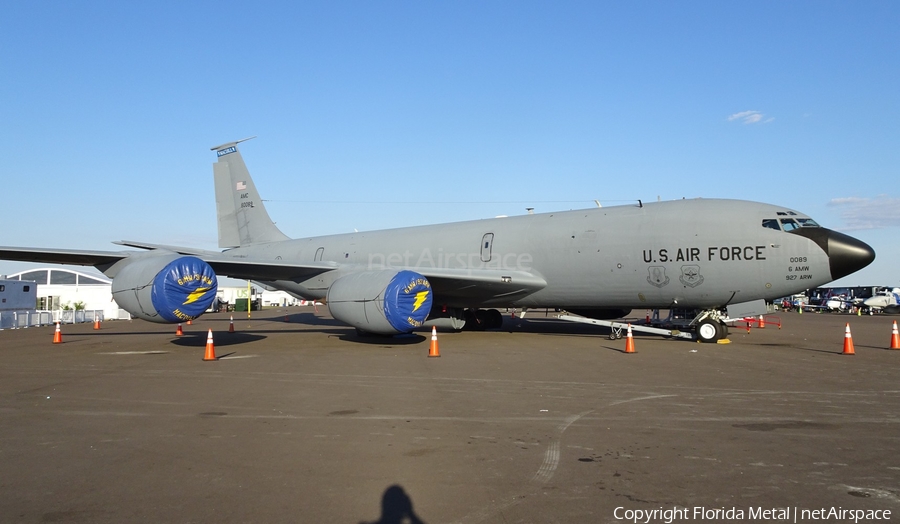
750	117
868	213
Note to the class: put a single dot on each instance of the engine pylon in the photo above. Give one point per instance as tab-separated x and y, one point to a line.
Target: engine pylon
433	350
848	342
210	348
629	341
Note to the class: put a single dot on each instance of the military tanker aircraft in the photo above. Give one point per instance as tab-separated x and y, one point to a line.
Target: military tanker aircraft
702	254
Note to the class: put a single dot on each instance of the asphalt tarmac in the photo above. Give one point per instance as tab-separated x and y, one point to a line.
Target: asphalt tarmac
542	421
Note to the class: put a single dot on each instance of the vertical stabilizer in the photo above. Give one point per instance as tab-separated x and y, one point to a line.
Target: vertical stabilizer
242	217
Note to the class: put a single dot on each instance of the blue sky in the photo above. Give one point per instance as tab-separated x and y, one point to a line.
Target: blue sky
108	111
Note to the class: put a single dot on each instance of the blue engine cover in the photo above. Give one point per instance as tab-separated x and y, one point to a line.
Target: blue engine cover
184	289
407	301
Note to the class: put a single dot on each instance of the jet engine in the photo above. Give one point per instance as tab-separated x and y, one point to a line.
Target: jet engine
165	288
383	302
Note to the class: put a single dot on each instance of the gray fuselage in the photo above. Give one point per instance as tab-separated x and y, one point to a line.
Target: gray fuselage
699	253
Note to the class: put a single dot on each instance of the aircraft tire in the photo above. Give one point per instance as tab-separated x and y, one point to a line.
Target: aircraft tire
495	319
722	331
484	319
708	331
475	320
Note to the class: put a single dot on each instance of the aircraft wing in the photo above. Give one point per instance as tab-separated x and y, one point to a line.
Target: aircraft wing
175	249
480	286
476	286
78	257
247	269
243	268
250	269
463	286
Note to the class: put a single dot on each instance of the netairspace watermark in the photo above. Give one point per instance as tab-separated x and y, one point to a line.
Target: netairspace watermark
783	514
449	260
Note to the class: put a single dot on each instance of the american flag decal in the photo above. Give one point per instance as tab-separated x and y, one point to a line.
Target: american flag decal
240	186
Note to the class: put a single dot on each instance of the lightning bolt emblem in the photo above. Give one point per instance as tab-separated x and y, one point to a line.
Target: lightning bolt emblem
420	298
195	295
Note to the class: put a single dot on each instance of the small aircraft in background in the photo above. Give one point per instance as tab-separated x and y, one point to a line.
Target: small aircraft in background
885	300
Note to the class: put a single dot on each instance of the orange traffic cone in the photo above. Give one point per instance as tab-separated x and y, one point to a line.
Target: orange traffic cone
96	322
210	348
190	322
895	337
57	336
433	350
179	331
761	323
848	342
231	325
629	341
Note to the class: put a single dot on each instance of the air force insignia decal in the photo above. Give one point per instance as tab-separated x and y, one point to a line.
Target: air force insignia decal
657	276
690	276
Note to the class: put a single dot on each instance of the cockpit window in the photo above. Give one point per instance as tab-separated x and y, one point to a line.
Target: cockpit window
807	222
789	224
771	223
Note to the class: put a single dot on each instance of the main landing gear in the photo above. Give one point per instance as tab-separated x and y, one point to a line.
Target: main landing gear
459	319
481	319
709	327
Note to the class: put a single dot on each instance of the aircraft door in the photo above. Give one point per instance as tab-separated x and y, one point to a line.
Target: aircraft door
487	243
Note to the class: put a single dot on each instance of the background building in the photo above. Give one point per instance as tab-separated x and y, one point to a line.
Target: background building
68	289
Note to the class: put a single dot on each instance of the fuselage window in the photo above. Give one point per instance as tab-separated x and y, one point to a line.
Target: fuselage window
771	223
789	224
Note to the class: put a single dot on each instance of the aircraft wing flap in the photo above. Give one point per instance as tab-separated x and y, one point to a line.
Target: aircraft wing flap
480	286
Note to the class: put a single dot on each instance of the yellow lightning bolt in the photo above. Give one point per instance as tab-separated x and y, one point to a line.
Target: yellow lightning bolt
195	295
420	297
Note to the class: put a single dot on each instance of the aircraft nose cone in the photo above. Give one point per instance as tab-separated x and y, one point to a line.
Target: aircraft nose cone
846	254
